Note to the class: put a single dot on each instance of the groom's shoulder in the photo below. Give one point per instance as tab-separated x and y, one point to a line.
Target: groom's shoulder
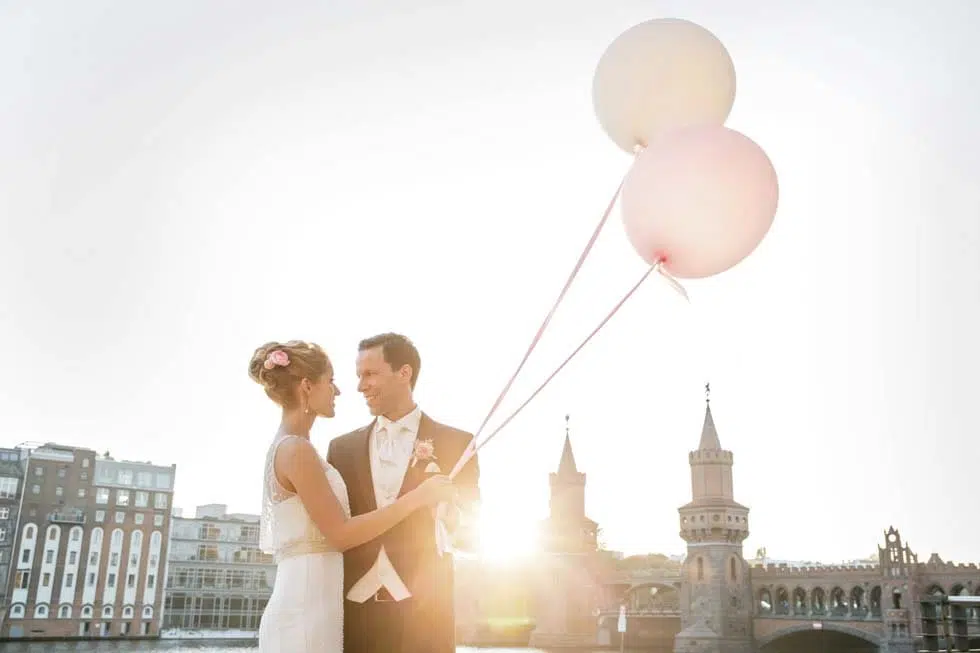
451	431
347	438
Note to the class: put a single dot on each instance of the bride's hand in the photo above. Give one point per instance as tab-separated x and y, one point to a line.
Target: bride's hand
434	490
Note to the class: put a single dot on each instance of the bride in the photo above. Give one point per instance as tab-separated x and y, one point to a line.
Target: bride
306	520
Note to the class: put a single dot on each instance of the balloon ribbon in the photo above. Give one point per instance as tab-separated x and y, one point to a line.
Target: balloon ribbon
474	447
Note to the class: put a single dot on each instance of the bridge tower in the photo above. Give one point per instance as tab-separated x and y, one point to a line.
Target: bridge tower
716	592
898	566
567	589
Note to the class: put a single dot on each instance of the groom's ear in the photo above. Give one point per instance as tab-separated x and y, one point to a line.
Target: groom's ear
405	372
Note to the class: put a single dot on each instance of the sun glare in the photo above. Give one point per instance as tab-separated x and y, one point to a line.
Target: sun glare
505	538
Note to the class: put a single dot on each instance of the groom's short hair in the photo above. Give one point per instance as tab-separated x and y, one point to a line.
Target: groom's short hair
397	350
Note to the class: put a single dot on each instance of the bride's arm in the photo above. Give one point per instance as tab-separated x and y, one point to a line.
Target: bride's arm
299	469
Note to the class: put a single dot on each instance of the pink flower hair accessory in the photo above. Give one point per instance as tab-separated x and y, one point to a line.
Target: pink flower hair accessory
277	358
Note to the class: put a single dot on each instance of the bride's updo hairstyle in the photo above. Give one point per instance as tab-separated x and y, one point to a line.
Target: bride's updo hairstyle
279	368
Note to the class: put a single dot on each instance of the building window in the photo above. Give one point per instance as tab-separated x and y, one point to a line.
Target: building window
163	481
84	476
3	534
85	463
110	581
35	489
114	560
122	497
59	491
131	581
138	518
4	513
144	479
158	520
102	495
142	499
38	471
64	612
69	580
107	612
125	477
700	568
45	580
62	472
72	557
160	501
91	577
150	581
48	557
81	493
120	517
8	487
100	515
22	579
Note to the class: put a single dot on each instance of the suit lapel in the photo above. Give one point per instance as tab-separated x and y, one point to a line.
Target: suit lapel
415	475
362	467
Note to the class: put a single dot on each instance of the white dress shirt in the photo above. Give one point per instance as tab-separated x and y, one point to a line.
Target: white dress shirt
390	449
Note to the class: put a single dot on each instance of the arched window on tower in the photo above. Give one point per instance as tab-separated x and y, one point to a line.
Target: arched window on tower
733	570
700	568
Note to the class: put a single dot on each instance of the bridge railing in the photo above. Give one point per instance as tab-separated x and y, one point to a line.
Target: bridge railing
946	622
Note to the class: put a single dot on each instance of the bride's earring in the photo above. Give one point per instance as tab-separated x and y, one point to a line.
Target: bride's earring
306	405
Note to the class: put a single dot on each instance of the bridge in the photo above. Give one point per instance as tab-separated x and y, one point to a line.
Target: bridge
652	600
875	605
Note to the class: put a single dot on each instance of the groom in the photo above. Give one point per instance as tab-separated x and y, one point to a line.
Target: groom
399	588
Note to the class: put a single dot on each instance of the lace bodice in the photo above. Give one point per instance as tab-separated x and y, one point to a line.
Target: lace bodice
285	524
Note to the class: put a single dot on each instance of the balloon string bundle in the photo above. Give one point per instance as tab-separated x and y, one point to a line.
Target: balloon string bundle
474	447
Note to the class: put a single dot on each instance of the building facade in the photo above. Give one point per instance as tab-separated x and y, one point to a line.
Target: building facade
90	547
218	579
11	485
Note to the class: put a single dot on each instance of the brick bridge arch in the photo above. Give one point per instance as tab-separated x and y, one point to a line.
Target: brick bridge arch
825	626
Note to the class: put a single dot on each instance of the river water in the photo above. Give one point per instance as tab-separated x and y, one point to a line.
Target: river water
171	646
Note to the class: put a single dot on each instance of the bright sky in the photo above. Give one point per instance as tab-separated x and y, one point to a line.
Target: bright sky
183	181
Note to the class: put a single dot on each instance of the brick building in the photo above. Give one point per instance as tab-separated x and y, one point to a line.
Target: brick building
90	547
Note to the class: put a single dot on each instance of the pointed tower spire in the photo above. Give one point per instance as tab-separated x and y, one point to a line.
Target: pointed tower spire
567	465
709	435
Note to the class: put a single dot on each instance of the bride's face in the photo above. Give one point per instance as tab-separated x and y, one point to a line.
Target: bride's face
322	395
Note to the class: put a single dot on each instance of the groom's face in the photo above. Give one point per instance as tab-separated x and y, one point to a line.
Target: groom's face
383	388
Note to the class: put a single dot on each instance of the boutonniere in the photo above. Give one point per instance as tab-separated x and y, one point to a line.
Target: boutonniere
424	450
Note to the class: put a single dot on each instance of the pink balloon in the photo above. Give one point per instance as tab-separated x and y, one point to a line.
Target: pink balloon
699	200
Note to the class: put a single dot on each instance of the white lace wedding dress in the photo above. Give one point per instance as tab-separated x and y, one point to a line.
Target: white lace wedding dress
305	612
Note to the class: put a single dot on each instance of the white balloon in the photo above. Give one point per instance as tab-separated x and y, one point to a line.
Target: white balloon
661	75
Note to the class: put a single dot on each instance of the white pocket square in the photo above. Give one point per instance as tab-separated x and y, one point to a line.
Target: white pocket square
432	468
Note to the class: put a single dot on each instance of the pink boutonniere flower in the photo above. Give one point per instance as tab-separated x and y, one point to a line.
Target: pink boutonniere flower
424	450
